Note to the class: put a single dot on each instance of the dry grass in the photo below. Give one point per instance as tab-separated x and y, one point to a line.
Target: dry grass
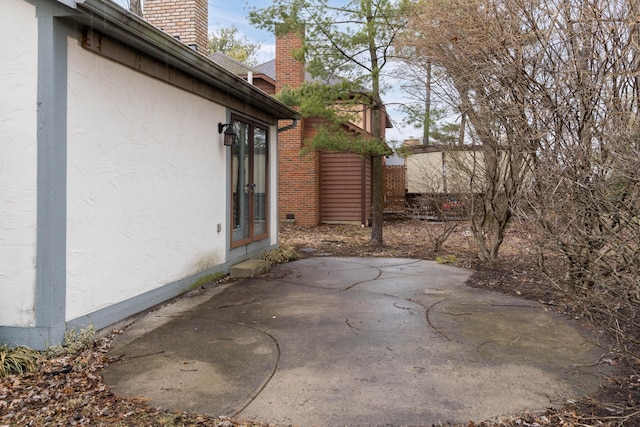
17	360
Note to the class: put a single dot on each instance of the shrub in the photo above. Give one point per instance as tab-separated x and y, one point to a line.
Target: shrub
281	255
72	342
447	259
17	360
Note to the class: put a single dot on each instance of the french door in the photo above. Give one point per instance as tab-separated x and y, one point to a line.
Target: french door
249	184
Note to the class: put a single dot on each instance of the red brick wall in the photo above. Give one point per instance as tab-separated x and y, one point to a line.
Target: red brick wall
289	72
187	19
298	174
298	178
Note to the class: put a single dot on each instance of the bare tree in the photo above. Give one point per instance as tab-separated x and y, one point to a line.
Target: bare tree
428	198
469	41
348	43
587	197
550	90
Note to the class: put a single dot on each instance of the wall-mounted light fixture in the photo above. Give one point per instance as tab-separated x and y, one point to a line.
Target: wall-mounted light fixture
230	136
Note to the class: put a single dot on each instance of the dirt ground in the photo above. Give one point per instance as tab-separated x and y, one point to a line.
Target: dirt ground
69	391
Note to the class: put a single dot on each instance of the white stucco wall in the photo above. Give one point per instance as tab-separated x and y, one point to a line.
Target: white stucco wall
146	183
18	161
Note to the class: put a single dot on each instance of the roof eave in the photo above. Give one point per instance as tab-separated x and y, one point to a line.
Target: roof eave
129	28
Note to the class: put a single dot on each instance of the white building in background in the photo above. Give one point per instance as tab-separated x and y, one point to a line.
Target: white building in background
116	191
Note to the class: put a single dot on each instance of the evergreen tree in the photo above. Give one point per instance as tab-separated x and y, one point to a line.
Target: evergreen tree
346	47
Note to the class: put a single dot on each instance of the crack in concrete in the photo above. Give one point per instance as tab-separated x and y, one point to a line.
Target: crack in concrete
351	326
260	389
434	327
271	375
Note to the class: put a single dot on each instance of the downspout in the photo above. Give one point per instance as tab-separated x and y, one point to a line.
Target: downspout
290	126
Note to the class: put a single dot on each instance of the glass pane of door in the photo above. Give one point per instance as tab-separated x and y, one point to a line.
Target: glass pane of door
259	184
241	183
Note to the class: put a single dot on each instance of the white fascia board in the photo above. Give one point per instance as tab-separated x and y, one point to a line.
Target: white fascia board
71	3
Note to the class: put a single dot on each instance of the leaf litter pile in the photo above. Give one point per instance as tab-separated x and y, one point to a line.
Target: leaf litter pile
68	390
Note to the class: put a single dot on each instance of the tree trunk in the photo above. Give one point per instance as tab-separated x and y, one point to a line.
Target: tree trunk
377	214
427	107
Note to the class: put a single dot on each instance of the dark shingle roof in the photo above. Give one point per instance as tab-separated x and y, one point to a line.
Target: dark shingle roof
230	64
268	69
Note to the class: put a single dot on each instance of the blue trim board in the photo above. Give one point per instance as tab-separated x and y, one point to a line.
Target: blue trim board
36	338
118	312
39	338
115	313
51	247
50	291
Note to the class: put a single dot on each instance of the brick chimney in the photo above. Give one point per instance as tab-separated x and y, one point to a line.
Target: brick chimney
298	175
186	20
289	71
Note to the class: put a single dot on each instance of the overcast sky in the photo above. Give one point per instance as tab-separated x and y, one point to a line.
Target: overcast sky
221	12
226	13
